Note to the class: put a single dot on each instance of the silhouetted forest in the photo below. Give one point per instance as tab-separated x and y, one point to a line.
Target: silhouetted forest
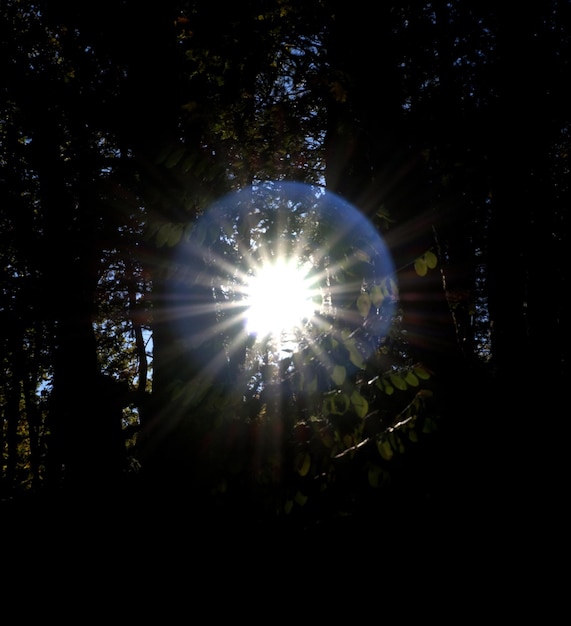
425	401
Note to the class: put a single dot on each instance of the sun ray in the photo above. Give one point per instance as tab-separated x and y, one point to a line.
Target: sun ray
280	263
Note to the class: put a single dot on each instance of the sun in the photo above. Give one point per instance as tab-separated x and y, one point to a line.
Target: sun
280	298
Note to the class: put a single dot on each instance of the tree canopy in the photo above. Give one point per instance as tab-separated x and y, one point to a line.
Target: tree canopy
149	155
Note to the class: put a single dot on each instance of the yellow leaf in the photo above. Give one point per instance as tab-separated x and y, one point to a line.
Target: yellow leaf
420	267
431	259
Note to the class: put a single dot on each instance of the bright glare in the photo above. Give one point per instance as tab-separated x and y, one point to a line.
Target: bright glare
279	297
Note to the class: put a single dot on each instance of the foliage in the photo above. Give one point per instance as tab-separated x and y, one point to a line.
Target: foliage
120	125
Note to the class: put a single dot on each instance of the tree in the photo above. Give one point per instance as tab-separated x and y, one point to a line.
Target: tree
104	183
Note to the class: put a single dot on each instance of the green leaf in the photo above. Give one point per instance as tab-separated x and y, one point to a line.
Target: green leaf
163	235
375	473
175	235
421	372
356	357
300	498
364	304
311	385
398	382
336	404
385	449
175	157
386	387
377	296
338	375
360	404
303	463
411	379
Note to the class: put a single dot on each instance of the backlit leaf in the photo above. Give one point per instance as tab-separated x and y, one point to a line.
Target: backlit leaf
377	296
375	476
398	382
175	234
421	372
385	449
174	157
420	266
364	304
163	235
360	404
338	375
303	463
411	379
336	404
431	259
388	388
356	357
300	498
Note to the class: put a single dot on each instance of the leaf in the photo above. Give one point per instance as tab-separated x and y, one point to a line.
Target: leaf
164	234
421	372
377	296
420	266
303	463
356	357
430	259
411	379
364	304
360	404
425	393
398	382
300	498
175	235
348	440
338	375
311	385
341	403
386	387
175	157
385	449
336	404
374	475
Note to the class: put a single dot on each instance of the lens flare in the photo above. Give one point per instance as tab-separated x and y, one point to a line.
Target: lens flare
282	262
